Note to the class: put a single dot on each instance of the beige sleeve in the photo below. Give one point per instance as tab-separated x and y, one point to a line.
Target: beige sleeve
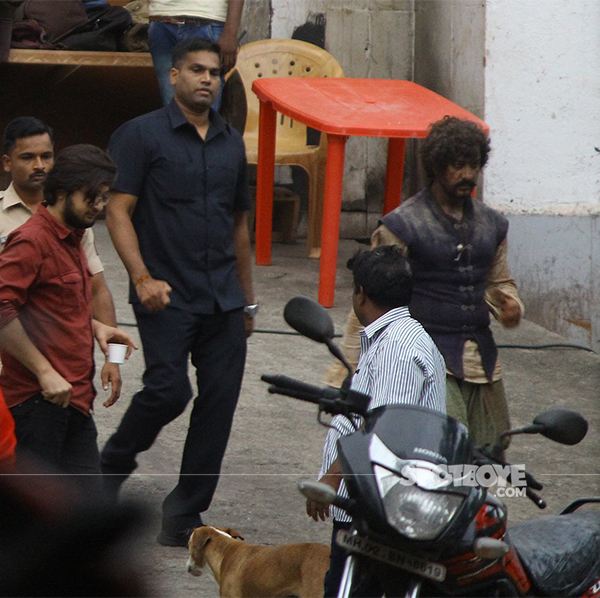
500	280
382	235
94	263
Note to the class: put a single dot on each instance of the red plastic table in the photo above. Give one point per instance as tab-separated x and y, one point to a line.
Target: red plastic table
341	107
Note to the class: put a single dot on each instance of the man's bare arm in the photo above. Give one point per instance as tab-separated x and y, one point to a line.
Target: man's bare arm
103	310
228	42
103	307
14	340
154	294
333	478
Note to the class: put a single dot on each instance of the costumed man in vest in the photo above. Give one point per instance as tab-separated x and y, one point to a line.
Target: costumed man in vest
457	248
174	20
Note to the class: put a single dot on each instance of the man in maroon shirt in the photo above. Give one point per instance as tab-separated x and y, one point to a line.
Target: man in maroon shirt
46	326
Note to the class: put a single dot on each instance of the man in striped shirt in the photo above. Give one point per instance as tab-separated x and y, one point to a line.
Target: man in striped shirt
399	364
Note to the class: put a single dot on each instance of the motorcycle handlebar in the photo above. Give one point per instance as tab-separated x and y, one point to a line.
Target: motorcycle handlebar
286	383
330	400
484	456
532	482
535	498
295	394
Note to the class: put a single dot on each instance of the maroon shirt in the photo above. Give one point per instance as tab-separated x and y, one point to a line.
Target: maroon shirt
45	282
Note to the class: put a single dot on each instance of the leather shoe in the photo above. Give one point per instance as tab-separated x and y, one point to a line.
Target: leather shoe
179	538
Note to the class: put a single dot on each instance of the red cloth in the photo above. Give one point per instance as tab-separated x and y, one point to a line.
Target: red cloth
7	434
45	282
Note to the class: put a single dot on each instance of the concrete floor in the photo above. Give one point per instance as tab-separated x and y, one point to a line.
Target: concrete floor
276	441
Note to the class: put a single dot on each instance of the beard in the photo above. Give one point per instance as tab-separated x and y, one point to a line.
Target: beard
465	183
72	219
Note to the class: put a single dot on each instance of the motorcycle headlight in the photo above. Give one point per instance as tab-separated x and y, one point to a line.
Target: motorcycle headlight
416	513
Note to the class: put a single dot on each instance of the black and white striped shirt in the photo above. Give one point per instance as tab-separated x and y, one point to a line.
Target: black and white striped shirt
399	364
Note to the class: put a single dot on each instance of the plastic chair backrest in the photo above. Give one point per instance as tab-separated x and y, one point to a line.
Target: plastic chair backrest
282	58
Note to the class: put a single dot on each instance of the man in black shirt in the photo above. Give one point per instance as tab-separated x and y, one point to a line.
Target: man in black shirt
179	223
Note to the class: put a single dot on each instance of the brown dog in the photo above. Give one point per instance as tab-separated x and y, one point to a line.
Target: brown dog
248	571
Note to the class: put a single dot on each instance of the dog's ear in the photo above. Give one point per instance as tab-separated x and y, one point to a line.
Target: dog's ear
234	533
199	539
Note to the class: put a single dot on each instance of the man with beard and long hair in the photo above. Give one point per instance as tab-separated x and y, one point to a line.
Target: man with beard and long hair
28	145
46	326
456	246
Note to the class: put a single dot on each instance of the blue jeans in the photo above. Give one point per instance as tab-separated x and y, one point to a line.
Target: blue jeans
62	437
162	38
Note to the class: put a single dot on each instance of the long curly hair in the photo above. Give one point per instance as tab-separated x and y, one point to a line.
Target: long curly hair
452	140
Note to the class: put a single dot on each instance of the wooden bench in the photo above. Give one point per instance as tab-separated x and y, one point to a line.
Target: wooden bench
83	96
70	58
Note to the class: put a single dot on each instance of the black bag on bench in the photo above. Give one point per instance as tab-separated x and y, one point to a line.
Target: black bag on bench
77	25
56	17
102	31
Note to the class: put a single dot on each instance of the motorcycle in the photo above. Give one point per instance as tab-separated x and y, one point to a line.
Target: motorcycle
425	521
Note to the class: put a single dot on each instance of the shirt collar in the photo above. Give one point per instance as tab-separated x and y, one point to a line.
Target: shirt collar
62	232
178	119
12	198
383	321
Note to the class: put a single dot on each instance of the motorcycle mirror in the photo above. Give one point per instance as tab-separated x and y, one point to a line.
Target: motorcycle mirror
490	549
562	425
309	318
317	491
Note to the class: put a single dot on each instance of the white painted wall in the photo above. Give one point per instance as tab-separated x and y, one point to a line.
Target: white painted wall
286	16
542	102
542	88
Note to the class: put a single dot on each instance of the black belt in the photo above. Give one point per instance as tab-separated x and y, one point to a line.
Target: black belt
185	20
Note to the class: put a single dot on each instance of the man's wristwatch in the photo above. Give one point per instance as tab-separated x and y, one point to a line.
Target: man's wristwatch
251	310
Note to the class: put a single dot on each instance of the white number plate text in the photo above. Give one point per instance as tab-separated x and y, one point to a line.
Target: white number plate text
379	552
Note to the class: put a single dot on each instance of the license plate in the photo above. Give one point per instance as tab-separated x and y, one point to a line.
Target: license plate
380	552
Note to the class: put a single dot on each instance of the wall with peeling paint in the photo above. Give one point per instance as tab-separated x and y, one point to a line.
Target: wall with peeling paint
449	56
256	20
450	49
542	101
556	263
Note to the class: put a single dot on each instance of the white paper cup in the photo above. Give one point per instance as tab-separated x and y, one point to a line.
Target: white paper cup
116	352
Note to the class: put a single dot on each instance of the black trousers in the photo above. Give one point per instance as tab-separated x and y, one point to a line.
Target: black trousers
217	346
61	437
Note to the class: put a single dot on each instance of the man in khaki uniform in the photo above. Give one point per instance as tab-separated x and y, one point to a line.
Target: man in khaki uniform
28	155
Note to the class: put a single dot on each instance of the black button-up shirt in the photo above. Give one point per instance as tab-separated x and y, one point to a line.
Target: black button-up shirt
188	190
